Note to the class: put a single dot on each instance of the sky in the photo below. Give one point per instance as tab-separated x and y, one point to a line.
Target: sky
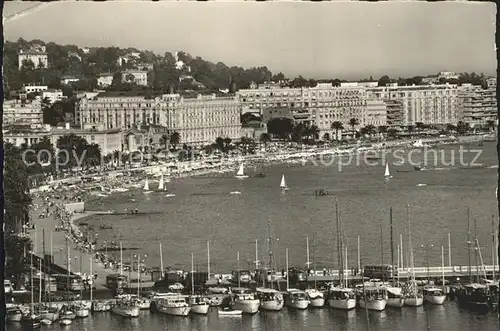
346	40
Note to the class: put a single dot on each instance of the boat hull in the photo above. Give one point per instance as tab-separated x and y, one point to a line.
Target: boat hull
174	311
82	312
414	302
126	312
317	302
51	316
395	302
247	306
101	307
298	304
14	317
272	305
376	305
230	312
200	309
435	299
68	315
346	304
65	321
144	304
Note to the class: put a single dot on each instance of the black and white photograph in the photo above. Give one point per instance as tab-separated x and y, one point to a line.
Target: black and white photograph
240	165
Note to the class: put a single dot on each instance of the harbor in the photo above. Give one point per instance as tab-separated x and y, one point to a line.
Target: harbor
91	244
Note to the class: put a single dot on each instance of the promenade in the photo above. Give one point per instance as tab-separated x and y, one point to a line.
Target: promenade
56	243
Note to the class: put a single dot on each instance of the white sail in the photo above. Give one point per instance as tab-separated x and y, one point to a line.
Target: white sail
161	186
283	183
146	185
241	171
387	172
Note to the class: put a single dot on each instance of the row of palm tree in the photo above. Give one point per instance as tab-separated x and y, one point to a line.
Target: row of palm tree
172	138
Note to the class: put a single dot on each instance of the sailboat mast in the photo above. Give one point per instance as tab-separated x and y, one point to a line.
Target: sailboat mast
138	275
238	267
256	255
339	248
161	261
31	276
208	258
346	268
442	265
121	259
382	251
92	278
287	274
468	243
314	259
307	253
476	250
192	274
44	256
493	245
409	242
392	239
270	243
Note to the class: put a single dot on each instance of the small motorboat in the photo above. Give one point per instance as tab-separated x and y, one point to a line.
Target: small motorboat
230	312
46	321
235	192
65	321
321	192
14	315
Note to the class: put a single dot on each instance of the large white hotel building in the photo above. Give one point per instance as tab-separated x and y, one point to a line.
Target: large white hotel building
198	120
369	104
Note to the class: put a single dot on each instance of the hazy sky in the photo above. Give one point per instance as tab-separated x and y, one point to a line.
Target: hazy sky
321	40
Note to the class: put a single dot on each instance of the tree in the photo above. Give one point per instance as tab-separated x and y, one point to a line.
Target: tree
353	122
450	127
419	126
227	144
17	201
384	80
392	133
76	148
326	137
93	155
462	127
382	129
491	125
219	143
164	139
313	132
370	130
337	126
265	138
281	127
175	139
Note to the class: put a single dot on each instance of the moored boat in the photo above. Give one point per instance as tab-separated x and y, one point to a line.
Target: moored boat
270	299
473	296
101	306
341	298
199	305
173	305
245	301
395	298
434	295
14	315
126	308
30	322
316	298
373	298
296	299
230	312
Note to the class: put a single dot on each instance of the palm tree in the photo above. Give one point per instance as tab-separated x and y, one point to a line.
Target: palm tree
219	142
227	143
313	131
462	127
337	126
326	137
265	138
175	139
353	122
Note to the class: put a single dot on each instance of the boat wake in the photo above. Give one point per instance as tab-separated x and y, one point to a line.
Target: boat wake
421	184
235	192
169	195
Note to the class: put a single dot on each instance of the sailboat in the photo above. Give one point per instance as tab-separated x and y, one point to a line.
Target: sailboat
161	185
316	297
413	297
387	173
270	299
395	298
294	298
199	305
283	185
125	306
241	172
31	321
146	187
341	297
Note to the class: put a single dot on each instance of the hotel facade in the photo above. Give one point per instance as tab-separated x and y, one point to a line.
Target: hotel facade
368	104
198	120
